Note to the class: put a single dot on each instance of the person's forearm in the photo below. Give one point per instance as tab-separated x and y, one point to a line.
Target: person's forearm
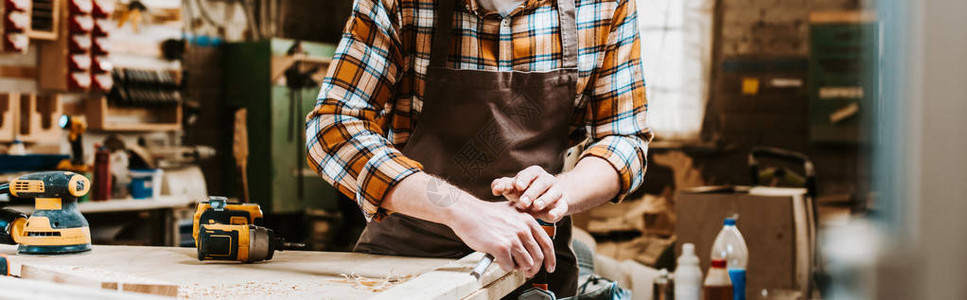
412	197
592	182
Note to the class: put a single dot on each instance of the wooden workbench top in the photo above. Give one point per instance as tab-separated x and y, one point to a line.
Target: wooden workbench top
290	274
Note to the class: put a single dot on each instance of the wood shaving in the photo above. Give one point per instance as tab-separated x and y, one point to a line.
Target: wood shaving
375	285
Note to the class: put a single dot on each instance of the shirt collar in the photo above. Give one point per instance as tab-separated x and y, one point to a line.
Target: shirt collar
474	7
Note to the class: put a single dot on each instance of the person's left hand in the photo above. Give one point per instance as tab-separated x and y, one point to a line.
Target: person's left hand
534	191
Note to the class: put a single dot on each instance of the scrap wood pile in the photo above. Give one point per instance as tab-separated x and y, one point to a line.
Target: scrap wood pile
637	229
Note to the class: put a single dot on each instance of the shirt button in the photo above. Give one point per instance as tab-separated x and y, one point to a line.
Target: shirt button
505	22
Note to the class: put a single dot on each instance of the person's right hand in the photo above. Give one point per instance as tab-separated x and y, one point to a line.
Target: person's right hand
514	238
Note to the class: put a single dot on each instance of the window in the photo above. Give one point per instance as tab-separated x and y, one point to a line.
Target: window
676	40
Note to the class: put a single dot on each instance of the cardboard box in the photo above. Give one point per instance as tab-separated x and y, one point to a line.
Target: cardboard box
777	224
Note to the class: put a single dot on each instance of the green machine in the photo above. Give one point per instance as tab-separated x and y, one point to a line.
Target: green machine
277	82
842	76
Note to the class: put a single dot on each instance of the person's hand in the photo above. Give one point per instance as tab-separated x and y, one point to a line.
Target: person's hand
514	238
534	191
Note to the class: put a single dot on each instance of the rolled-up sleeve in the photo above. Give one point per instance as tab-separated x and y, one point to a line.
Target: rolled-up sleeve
617	107
344	142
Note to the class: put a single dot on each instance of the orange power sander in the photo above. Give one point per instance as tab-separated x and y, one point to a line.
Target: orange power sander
56	226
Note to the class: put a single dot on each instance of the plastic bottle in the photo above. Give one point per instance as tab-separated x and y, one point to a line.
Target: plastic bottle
717	286
730	246
688	275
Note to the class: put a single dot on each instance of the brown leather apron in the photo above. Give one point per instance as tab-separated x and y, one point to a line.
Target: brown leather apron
477	126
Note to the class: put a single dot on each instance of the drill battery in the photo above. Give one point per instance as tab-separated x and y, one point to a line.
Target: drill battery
218	210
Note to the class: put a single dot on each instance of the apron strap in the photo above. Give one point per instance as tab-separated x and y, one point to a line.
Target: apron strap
440	49
443	33
569	33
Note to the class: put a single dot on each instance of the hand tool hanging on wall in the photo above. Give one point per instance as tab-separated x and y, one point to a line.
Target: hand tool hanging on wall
56	226
240	150
132	15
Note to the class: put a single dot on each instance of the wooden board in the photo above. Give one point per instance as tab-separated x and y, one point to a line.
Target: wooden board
290	274
16	288
454	282
98	278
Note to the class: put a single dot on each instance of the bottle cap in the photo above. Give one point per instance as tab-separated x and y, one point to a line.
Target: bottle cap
688	255
688	248
729	222
718	263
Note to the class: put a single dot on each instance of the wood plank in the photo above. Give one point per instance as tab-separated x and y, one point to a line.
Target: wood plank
15	288
454	282
499	288
98	278
289	275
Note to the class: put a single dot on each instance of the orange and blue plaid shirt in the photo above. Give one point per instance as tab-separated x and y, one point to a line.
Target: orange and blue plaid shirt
372	96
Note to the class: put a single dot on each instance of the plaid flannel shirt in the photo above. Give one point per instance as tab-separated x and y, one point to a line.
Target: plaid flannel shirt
373	94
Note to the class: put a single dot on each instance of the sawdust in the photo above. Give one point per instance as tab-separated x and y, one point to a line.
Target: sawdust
282	290
243	290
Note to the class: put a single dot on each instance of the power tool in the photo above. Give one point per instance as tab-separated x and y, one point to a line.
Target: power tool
230	231
218	210
56	226
244	243
75	132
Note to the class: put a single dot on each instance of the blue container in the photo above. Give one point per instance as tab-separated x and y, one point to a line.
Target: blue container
144	183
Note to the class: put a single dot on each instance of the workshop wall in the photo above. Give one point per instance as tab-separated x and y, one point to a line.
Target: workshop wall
765	43
314	20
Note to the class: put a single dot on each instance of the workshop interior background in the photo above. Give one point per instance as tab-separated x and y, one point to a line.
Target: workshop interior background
160	85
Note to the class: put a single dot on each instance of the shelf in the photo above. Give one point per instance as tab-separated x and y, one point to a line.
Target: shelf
101	116
121	205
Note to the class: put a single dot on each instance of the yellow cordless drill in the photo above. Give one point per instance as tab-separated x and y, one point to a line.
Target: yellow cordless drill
56	226
230	231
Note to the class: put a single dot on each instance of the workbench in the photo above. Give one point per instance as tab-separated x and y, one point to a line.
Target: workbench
289	275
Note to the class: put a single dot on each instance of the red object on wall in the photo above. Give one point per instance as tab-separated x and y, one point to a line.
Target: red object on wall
102	82
80	6
79	80
102	174
103	8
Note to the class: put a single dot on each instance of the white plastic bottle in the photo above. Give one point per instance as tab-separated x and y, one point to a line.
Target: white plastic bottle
688	275
730	246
